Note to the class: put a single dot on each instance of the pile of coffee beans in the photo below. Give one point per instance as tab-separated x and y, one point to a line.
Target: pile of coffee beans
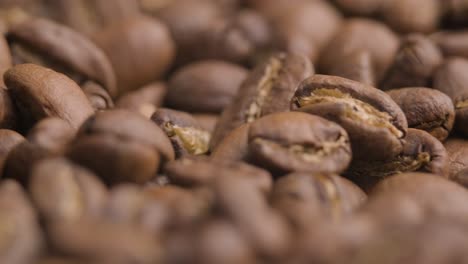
233	131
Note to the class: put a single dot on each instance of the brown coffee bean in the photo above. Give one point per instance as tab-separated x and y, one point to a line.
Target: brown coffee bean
267	89
63	191
234	146
427	191
186	135
185	207
39	92
414	64
9	139
400	15
421	152
101	240
452	43
374	122
426	109
60	48
457	150
52	134
90	17
21	236
144	60
305	27
293	141
203	171
205	86
119	145
450	78
97	95
354	37
265	230
357	66
307	199
219	241
144	100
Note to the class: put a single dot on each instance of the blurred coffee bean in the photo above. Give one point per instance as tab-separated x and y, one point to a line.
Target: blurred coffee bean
205	86
426	109
144	100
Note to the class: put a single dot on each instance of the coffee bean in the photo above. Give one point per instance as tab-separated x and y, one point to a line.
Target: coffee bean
289	142
146	59
207	86
305	27
374	122
307	199
457	150
400	16
21	234
414	64
356	66
267	89
450	79
52	134
117	150
144	100
451	43
426	109
354	37
39	92
234	146
46	43
186	135
421	152
8	141
63	191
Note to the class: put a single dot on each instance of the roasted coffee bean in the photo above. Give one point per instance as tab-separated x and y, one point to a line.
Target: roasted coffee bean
219	241
264	228
427	191
8	141
63	191
97	95
234	146
186	135
21	236
457	150
354	37
185	207
400	15
414	64
267	89
305	27
293	141
426	109
144	100
55	46
356	66
421	152
119	145
205	86
101	240
146	59
203	171
306	198
203	30
374	122
39	92
450	78
89	17
452	43
52	134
